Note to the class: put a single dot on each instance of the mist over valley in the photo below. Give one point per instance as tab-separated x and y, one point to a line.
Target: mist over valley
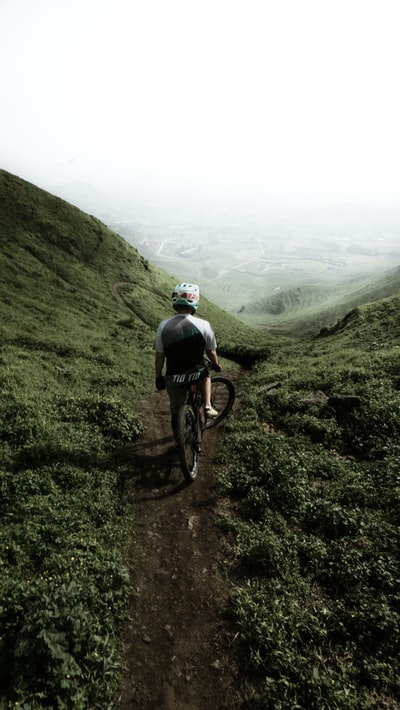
269	265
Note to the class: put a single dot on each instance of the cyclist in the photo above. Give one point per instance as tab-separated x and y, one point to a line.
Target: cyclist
181	340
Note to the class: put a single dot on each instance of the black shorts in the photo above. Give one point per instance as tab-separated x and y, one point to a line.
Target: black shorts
189	377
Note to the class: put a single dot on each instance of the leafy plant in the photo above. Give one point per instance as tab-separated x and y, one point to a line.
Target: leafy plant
314	526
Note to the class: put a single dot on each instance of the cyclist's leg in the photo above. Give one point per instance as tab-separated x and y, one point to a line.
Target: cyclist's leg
205	387
177	396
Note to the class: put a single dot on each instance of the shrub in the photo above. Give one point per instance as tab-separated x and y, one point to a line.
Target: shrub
117	424
19	420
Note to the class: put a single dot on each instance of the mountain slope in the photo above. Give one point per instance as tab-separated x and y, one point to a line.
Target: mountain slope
306	309
377	324
76	360
311	480
57	269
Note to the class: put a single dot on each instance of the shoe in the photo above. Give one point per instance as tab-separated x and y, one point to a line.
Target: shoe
211	413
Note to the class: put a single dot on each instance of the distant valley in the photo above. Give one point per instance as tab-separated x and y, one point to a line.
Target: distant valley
269	269
239	266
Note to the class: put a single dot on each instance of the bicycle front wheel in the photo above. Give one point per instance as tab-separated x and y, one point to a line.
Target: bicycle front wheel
187	442
222	399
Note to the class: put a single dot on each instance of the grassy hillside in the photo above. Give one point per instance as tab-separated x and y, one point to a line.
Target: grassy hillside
311	482
307	309
74	363
309	477
57	268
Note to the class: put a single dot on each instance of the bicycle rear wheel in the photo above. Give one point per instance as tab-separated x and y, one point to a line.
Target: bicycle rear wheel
222	399
187	442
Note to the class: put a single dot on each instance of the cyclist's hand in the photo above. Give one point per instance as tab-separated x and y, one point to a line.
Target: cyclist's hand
160	382
216	366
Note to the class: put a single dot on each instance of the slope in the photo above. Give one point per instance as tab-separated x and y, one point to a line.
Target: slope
57	269
306	309
312	507
376	323
76	368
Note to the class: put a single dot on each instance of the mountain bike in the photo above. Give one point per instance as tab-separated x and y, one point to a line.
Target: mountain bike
192	421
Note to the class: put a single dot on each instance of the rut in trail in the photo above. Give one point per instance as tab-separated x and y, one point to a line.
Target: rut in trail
180	648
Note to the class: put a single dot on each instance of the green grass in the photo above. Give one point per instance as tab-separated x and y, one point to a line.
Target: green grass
311	475
308	471
74	363
314	304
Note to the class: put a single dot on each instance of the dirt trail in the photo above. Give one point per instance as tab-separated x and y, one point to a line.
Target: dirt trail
180	650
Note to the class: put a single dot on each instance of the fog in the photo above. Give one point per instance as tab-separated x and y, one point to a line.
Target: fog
234	103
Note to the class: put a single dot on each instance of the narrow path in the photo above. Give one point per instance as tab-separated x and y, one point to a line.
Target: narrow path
180	650
115	289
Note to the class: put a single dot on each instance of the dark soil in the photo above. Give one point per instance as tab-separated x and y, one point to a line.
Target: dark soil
180	647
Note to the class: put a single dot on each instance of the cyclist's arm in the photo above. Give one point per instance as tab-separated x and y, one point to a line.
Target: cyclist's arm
159	363
212	355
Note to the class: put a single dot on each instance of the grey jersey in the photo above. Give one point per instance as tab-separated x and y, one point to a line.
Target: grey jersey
183	339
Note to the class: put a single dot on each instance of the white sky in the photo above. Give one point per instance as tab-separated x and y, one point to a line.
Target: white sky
287	99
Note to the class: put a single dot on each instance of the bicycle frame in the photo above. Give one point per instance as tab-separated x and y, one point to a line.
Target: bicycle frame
192	420
195	400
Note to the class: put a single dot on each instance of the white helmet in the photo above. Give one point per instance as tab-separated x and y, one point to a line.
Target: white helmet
186	295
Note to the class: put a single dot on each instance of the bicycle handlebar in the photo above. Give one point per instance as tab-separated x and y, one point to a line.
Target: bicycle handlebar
212	366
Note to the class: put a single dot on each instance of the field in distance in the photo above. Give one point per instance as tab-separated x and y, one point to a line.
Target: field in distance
270	274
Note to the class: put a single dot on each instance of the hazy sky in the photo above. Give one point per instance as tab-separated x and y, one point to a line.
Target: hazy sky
287	99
